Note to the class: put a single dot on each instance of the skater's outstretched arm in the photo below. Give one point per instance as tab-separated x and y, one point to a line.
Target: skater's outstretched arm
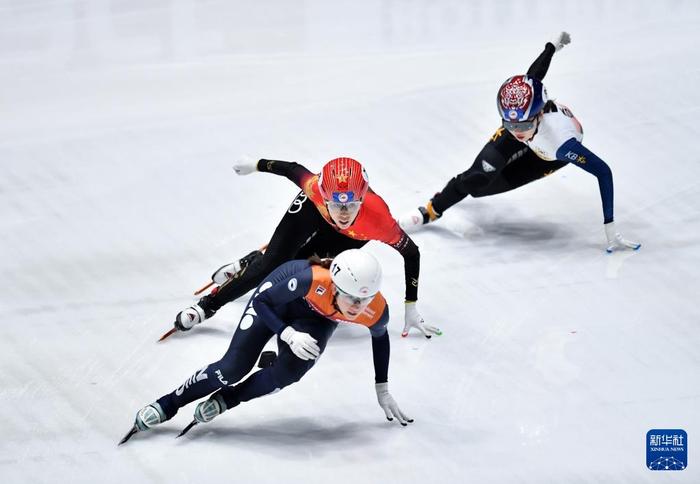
292	170
539	68
574	152
295	172
380	354
380	347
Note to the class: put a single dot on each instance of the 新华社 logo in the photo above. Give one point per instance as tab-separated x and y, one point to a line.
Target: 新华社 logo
667	449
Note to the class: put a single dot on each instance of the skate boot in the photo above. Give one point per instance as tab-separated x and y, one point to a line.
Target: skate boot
412	221
146	418
149	416
193	315
234	269
209	409
206	411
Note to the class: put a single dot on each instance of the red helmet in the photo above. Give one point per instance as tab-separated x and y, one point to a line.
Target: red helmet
343	180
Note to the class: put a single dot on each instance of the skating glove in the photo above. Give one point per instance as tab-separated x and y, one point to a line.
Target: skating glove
302	344
414	320
615	240
560	40
245	166
389	405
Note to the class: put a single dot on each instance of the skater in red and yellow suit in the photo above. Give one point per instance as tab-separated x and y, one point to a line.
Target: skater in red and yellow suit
334	211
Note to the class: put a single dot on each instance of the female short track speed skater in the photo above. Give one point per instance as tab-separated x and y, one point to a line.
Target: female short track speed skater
301	302
538	136
334	211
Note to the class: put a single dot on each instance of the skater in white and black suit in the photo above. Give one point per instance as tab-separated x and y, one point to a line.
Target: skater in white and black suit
538	136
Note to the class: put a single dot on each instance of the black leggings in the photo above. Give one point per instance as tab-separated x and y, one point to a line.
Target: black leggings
503	164
301	233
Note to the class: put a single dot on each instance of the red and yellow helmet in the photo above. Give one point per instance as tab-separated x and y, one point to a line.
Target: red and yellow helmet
343	180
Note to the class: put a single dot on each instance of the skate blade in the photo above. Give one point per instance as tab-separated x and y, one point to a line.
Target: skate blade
187	429
128	435
204	288
170	332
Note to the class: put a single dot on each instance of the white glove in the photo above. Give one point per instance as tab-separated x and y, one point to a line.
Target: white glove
245	166
302	344
389	405
615	240
560	40
414	320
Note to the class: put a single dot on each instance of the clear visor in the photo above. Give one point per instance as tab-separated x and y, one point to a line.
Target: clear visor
520	126
344	211
351	300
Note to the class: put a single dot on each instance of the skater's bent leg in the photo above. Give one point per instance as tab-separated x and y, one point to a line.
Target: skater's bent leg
485	169
531	168
246	345
295	228
287	368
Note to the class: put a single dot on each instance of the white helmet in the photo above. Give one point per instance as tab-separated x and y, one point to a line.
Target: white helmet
357	273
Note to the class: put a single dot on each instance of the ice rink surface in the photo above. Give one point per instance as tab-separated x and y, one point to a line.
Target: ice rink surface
120	122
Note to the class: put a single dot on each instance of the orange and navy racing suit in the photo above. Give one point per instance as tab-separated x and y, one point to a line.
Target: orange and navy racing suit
297	294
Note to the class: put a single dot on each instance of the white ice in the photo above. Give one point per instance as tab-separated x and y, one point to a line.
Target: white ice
119	123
